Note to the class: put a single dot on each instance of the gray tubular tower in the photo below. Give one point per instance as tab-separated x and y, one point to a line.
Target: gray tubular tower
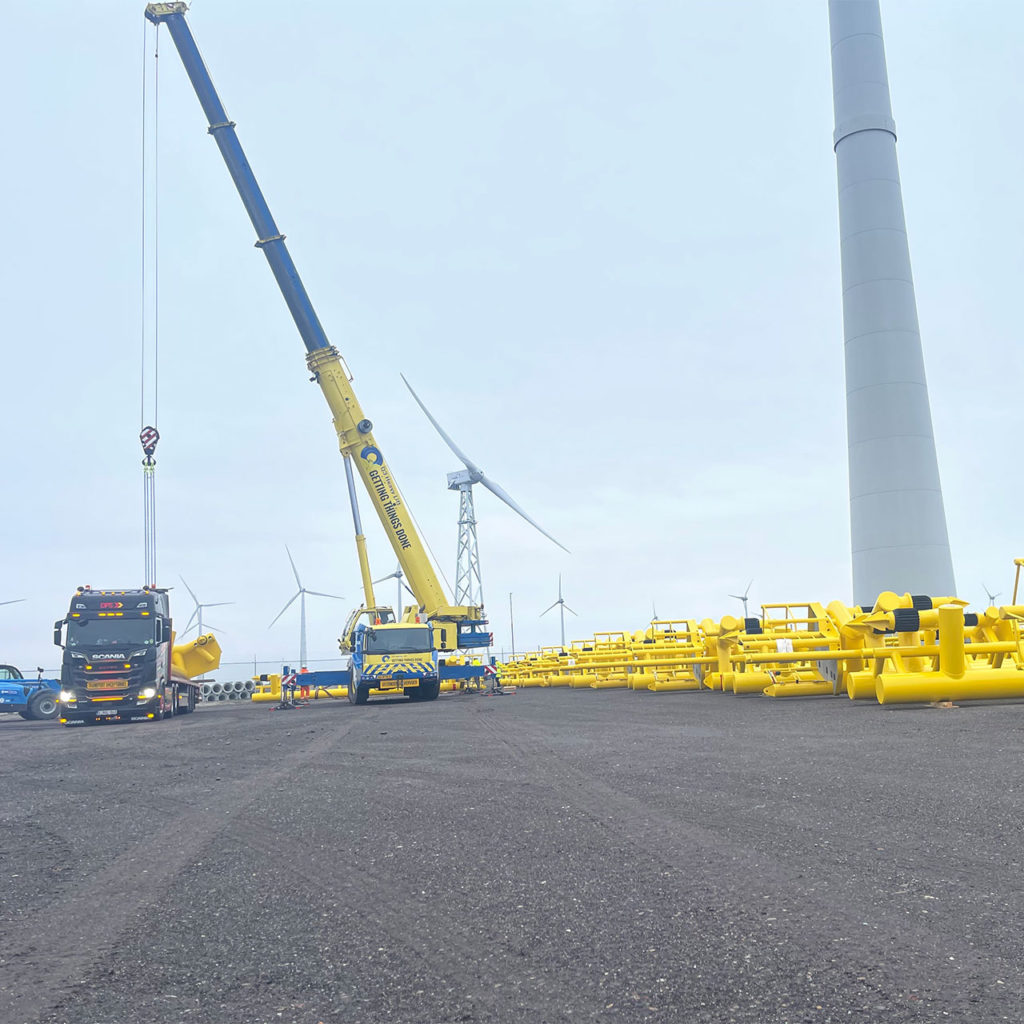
897	519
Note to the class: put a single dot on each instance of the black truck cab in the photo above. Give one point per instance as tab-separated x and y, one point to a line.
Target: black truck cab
117	656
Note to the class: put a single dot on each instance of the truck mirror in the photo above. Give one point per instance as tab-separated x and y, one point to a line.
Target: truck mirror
56	633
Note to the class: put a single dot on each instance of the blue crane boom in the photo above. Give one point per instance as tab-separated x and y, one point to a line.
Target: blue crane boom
222	128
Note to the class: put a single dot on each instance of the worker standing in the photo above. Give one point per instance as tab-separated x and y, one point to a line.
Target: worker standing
303	683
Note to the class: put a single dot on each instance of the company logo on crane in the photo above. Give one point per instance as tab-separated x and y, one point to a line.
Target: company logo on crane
386	491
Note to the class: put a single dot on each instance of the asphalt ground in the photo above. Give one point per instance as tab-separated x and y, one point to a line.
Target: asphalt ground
548	856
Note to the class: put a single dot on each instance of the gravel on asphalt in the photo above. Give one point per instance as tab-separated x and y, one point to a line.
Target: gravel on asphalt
547	856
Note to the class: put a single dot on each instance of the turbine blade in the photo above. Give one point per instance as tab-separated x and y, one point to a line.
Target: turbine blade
294	570
17	600
503	495
407	587
284	609
747	591
471	466
546	610
210	627
189	589
390	576
568	609
191	619
217	604
317	593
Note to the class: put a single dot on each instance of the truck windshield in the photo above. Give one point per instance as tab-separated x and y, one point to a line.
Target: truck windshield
110	632
411	640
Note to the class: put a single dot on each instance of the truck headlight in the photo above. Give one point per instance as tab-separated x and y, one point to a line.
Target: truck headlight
66	697
148	693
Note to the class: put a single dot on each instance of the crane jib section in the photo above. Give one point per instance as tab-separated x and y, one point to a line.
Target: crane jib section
222	128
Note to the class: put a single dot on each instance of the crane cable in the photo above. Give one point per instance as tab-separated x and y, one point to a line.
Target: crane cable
148	434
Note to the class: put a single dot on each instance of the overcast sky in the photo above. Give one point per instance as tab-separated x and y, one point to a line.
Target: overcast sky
599	237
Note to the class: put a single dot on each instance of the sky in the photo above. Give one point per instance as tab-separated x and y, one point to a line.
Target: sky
600	238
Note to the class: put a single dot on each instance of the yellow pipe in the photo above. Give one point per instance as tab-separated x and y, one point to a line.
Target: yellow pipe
750	682
799	690
951	641
609	683
928	687
674	684
860	685
320	693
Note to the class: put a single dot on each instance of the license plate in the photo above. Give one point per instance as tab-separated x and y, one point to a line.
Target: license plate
106	714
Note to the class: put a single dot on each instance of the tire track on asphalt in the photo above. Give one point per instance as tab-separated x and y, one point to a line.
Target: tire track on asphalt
43	955
653	832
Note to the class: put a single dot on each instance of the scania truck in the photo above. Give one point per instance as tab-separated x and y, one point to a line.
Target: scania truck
120	663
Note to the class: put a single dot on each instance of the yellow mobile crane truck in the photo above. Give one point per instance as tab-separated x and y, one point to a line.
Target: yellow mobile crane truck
387	654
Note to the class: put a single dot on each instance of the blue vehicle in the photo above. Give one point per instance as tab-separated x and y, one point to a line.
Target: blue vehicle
31	698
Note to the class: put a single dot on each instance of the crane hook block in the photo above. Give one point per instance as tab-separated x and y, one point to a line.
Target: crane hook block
364	426
149	437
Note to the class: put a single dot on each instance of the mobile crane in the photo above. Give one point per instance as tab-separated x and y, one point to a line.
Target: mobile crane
388	654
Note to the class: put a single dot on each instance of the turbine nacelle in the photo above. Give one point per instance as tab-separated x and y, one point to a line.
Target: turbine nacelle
463	478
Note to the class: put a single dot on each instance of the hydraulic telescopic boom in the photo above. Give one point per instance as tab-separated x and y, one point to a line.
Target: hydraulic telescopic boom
355	431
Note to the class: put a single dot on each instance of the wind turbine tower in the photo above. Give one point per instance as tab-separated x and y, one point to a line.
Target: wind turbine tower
562	608
468	587
897	520
301	595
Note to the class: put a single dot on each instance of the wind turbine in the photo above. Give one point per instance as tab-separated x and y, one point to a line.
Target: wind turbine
991	597
561	606
468	588
743	597
301	594
197	612
397	575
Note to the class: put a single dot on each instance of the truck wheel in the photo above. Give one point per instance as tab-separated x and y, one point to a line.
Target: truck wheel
43	705
429	689
358	693
25	715
172	707
158	709
190	702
